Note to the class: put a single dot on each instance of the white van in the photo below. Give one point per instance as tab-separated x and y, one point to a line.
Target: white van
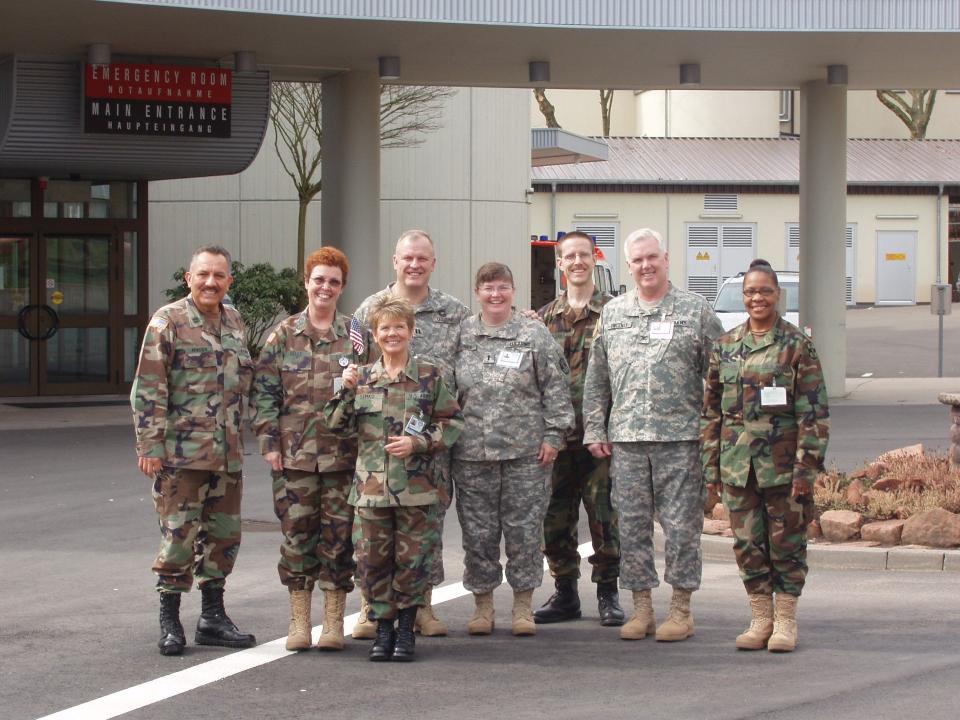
729	302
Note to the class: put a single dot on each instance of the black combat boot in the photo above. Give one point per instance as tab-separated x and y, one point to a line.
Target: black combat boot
214	626
403	652
564	604
384	642
172	638
608	602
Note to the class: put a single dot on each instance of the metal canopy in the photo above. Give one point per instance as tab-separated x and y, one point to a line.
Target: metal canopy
742	44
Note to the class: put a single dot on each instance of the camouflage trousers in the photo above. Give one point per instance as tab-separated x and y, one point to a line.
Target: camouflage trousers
199	516
397	545
770	536
507	498
580	477
315	519
662	479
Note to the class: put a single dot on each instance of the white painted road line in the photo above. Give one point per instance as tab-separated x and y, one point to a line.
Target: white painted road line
153	691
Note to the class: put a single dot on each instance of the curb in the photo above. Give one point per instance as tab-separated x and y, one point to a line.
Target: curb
842	557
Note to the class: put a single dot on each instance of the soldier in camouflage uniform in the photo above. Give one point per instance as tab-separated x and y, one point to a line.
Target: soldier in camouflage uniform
764	430
403	414
577	475
438	318
188	402
514	387
299	367
641	403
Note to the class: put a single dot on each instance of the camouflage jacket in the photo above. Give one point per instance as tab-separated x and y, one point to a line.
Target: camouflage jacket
785	441
297	372
438	321
416	404
573	331
645	378
189	391
514	388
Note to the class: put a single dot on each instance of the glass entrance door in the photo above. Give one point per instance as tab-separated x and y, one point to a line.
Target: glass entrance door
64	313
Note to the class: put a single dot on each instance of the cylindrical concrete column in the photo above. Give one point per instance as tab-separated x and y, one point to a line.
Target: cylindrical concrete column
823	218
350	199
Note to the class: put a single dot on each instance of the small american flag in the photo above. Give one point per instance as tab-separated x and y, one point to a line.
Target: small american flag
356	336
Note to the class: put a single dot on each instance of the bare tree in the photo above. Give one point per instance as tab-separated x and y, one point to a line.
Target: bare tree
914	114
606	104
546	107
407	113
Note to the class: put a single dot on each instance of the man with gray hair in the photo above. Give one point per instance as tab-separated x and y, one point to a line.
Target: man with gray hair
641	407
437	327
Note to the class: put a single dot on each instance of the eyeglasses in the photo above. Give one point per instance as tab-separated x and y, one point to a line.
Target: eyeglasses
491	289
764	291
574	256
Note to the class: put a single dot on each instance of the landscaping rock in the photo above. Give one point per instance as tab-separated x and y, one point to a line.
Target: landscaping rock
720	512
869	472
854	492
885	532
713	499
813	530
904	452
888	484
715	527
937	528
841	525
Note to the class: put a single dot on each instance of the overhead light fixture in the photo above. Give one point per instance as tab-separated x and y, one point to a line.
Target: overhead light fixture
539	72
389	67
245	61
836	74
98	54
690	74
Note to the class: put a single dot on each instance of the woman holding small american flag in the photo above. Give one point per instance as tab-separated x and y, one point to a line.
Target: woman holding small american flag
298	372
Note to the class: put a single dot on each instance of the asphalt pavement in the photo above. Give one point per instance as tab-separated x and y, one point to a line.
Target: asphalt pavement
78	612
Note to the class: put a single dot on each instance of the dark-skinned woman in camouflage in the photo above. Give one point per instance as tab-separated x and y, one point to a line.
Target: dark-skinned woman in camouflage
764	430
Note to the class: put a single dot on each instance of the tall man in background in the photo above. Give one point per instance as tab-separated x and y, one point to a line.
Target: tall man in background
437	327
578	476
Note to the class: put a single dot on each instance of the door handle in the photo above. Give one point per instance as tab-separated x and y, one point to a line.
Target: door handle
47	331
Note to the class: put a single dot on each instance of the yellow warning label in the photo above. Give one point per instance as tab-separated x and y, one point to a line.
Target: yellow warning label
703	255
895	256
57	297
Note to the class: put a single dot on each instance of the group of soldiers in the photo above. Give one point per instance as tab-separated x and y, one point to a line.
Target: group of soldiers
636	363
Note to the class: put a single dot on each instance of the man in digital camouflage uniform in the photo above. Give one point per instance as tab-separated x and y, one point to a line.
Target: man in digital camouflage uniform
577	475
188	402
641	404
438	317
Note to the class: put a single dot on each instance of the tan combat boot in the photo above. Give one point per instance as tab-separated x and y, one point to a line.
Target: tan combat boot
482	621
784	638
364	629
298	635
756	636
679	623
523	623
331	636
428	624
642	623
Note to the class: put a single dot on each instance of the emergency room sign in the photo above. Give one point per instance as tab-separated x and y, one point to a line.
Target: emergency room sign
142	99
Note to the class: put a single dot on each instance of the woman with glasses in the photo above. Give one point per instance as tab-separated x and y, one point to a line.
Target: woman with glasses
297	373
764	430
514	388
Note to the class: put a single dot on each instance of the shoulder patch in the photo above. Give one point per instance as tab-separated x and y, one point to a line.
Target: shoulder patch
159	323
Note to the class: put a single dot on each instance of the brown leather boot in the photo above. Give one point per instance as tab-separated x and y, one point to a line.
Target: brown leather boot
482	621
428	624
365	629
523	623
331	635
642	623
298	634
784	638
679	623
756	636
